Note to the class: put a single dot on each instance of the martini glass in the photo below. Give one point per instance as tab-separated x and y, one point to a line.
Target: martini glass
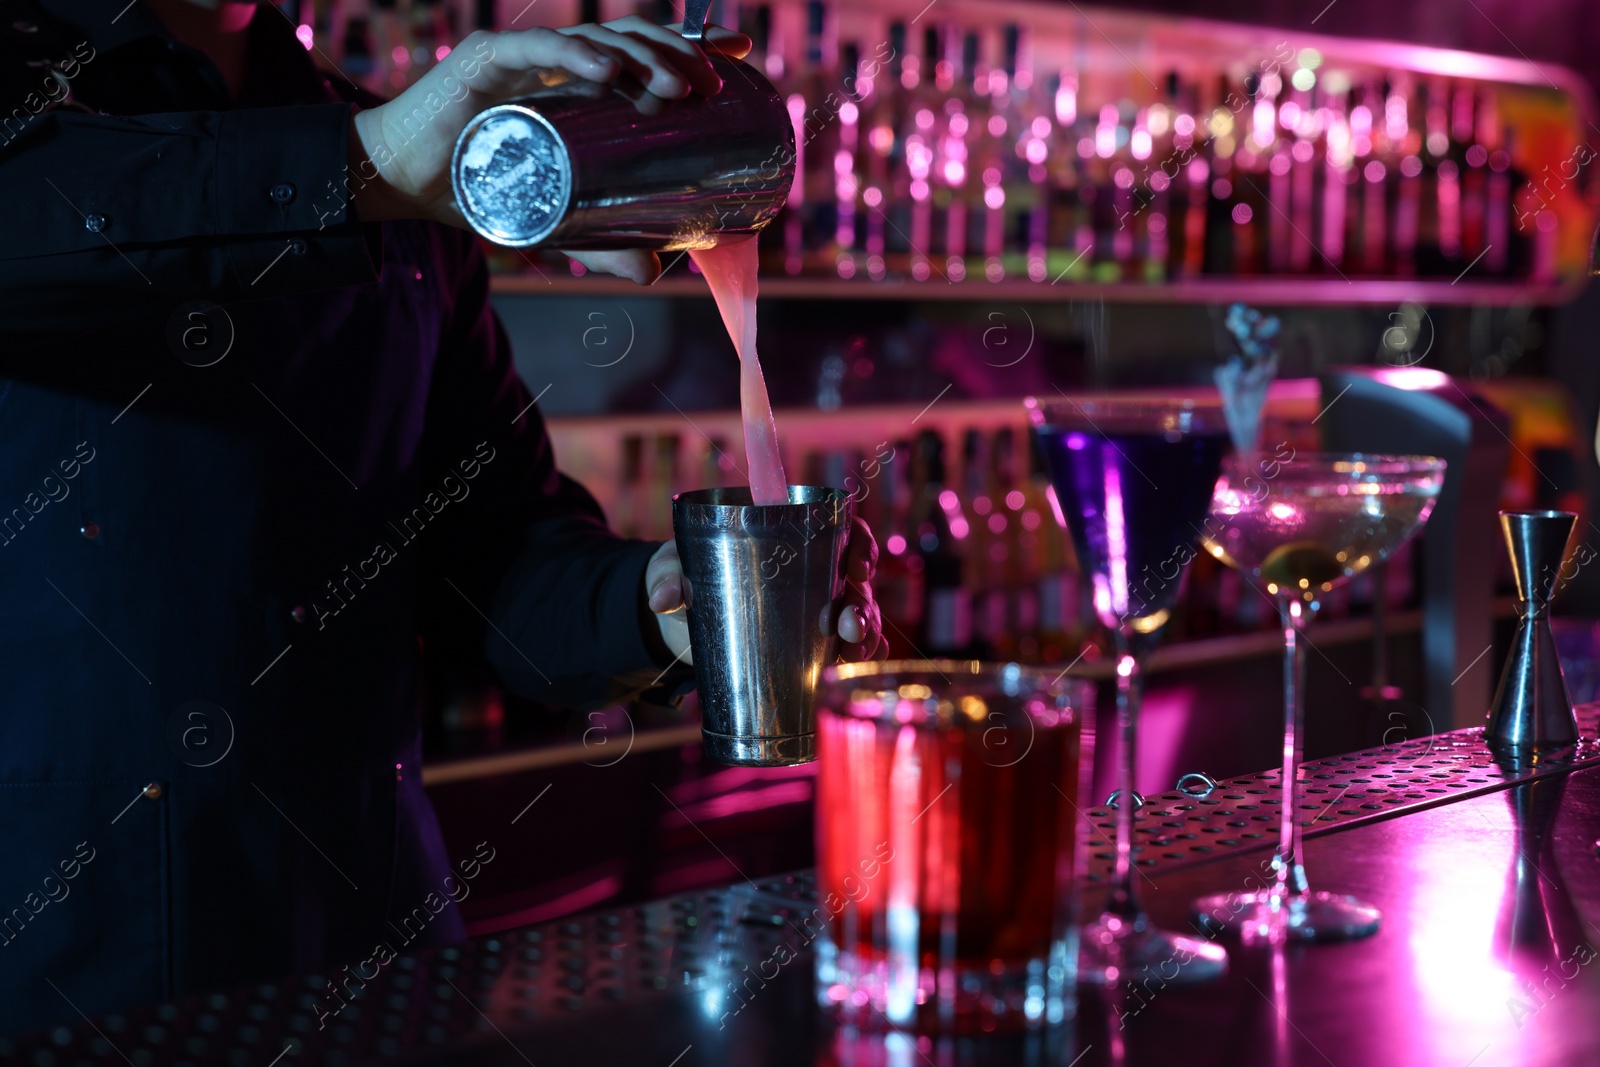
1134	480
1300	527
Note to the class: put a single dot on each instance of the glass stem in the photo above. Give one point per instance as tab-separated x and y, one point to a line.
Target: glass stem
1295	614
1124	901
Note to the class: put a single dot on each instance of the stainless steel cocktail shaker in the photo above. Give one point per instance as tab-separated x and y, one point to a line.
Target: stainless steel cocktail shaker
763	585
580	165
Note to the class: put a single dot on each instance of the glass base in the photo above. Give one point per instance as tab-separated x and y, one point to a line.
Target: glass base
1114	951
1265	917
875	991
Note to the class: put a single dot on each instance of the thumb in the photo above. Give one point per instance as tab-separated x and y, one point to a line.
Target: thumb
635	264
721	41
663	580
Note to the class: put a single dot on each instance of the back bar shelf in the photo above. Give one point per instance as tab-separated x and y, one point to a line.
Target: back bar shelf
1045	152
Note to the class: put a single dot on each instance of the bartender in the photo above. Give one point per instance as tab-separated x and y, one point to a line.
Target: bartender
263	454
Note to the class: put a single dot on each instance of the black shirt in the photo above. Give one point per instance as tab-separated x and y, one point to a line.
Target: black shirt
258	462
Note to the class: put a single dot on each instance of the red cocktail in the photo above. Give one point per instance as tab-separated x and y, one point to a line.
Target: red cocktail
948	841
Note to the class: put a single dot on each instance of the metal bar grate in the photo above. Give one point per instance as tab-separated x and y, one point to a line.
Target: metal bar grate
1177	828
454	997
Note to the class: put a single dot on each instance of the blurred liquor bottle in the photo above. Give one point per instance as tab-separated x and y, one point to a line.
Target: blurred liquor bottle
984	546
947	601
898	584
884	199
1064	624
625	513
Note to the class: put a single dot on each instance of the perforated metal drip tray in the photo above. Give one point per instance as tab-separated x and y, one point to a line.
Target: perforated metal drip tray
1178	828
434	1004
423	1005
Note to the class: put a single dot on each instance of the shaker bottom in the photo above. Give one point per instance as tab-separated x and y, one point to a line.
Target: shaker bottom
782	751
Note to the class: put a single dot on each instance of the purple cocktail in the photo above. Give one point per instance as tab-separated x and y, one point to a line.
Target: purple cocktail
1134	480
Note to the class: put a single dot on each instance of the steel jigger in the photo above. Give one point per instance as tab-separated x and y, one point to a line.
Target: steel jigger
1531	708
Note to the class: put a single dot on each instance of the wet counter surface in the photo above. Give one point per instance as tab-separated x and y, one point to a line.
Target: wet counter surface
1487	876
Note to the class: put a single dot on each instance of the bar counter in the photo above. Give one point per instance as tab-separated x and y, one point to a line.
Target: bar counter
1485	870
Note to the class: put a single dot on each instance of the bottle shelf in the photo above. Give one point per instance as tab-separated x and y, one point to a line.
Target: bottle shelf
1201	161
1169	658
1266	292
1144	159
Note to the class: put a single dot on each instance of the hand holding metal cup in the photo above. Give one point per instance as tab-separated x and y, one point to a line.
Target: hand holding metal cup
770	591
860	623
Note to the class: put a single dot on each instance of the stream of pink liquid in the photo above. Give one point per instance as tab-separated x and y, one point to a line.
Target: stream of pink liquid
730	271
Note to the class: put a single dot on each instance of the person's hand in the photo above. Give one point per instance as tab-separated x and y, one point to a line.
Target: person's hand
400	151
663	583
860	621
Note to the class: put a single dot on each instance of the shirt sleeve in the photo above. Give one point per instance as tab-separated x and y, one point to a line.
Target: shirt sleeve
528	581
107	211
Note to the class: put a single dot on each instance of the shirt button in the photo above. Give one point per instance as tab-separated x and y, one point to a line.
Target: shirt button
90	530
282	193
298	613
153	790
94	223
297	245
